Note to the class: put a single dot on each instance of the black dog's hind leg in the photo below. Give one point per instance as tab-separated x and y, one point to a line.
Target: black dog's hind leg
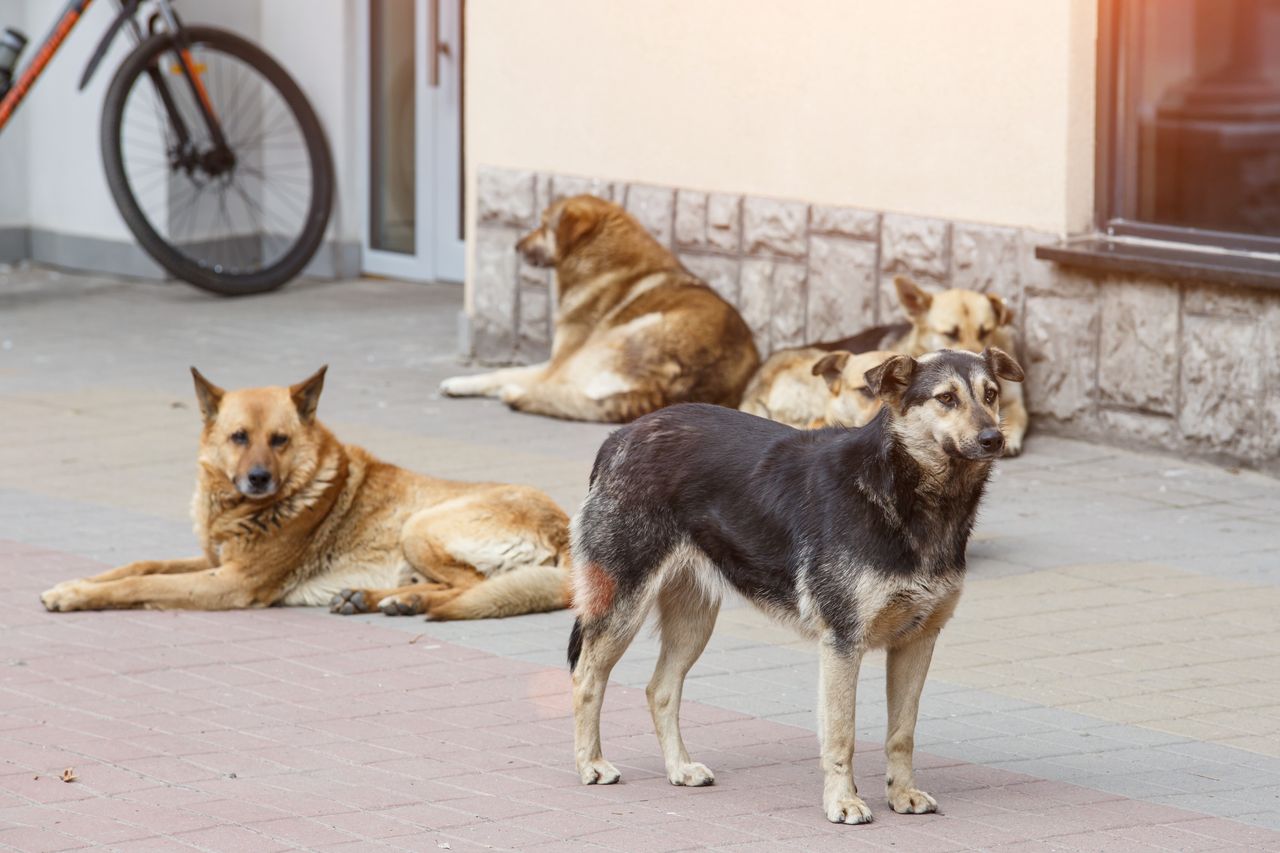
603	637
686	618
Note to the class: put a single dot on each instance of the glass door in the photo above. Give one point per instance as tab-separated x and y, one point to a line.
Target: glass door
412	104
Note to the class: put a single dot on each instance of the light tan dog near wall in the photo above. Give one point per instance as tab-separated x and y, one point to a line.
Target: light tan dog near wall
286	514
811	388
635	331
953	319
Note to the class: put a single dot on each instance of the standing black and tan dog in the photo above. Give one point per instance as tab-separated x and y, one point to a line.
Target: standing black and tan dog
635	331
287	514
855	536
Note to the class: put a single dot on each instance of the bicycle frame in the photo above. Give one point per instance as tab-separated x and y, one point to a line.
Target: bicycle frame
127	10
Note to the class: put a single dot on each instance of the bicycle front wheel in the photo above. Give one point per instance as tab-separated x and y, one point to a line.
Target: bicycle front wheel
235	210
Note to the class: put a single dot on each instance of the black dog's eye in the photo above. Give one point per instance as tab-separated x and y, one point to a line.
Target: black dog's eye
240	437
278	440
946	398
991	396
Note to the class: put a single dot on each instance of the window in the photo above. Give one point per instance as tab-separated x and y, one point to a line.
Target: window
1189	122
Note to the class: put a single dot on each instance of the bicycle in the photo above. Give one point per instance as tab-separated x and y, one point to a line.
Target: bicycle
213	155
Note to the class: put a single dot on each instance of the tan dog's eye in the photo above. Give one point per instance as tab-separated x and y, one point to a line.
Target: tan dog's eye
982	333
240	437
991	396
946	398
954	334
278	441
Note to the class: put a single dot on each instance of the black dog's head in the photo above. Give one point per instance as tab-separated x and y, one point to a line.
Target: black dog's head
946	404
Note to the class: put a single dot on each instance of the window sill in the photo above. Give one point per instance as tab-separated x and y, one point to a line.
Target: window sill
1166	260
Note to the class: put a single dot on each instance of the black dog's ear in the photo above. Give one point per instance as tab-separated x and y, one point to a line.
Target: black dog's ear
208	395
889	379
306	394
1002	364
831	368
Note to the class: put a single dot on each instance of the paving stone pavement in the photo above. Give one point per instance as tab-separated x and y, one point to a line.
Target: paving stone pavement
1110	680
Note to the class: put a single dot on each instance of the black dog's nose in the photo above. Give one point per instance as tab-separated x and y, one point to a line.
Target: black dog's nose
991	440
259	478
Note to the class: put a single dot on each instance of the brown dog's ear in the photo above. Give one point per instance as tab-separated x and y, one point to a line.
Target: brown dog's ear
208	395
306	394
913	299
831	368
1004	314
578	218
1002	364
889	379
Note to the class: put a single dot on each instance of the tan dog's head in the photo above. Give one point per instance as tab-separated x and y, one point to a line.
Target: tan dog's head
566	224
852	403
257	437
954	319
947	403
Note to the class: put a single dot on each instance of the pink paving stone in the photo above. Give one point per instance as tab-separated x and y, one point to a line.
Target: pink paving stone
301	832
231	838
39	840
639	841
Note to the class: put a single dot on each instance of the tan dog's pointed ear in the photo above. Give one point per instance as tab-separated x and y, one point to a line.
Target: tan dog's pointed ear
831	368
306	394
1004	314
890	378
1002	364
915	300
578	218
208	395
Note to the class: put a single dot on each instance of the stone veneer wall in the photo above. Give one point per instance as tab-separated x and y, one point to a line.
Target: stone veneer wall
1188	368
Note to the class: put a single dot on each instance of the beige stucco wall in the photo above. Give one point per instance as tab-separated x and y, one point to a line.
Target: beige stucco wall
979	110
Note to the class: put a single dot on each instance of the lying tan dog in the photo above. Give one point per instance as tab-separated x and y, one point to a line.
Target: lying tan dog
286	514
953	319
811	388
634	332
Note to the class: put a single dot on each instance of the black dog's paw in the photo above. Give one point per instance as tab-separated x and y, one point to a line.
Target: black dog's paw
348	602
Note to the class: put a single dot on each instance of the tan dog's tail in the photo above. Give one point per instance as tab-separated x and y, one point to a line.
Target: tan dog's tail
531	589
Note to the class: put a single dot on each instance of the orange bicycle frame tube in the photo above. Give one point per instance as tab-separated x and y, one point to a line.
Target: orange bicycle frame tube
23	84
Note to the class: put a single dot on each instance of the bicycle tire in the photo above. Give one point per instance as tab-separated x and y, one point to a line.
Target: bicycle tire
225	283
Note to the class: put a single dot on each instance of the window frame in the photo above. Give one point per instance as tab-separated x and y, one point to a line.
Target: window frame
1114	17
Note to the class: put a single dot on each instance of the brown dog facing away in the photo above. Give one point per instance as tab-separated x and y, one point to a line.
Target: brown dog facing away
635	331
811	388
287	514
953	319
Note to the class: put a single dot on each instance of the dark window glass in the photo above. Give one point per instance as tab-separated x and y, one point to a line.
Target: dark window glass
1194	140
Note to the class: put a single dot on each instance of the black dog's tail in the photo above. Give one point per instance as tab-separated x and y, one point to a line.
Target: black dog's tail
575	644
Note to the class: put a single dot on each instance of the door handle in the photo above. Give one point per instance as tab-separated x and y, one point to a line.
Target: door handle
435	47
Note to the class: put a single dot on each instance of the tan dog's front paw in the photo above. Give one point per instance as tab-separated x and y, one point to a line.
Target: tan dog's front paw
848	810
598	772
67	595
457	386
405	604
912	801
1013	446
512	395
